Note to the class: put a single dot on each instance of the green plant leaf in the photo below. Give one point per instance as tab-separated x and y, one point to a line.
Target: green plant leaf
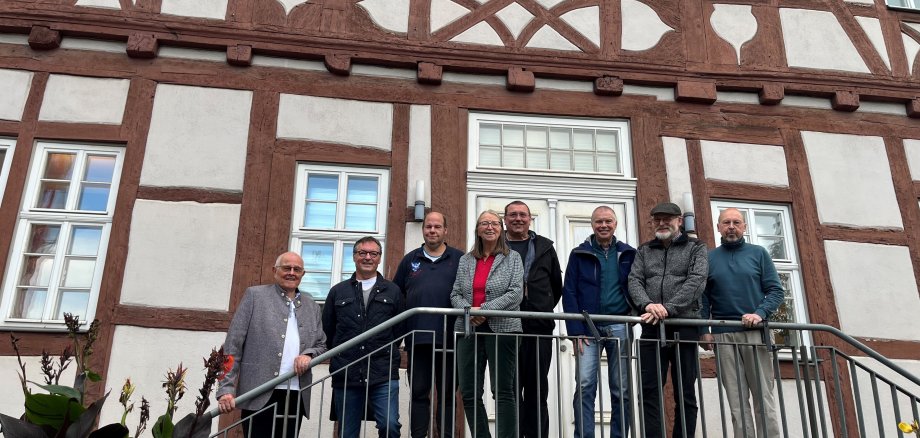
93	377
52	410
82	427
16	428
201	425
66	391
114	430
163	428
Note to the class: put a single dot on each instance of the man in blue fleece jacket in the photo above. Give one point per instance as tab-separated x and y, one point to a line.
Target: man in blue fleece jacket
596	282
743	285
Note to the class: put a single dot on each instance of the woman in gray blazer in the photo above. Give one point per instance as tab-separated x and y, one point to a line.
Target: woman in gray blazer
489	277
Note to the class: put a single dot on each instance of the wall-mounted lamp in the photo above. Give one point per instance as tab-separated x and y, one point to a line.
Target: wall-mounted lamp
689	217
419	201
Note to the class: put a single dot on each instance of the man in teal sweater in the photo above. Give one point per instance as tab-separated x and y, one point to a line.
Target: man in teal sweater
743	285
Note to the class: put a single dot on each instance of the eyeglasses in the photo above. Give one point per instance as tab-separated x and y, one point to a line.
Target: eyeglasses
487	224
373	254
296	269
663	220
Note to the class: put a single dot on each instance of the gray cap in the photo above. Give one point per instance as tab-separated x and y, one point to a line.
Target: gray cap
669	208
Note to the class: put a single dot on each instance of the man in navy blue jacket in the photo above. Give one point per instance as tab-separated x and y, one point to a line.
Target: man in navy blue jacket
743	286
426	276
596	282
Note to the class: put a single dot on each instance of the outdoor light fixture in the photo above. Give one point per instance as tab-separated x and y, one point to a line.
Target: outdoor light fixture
420	201
689	217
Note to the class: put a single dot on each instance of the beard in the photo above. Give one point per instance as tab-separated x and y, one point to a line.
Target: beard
663	235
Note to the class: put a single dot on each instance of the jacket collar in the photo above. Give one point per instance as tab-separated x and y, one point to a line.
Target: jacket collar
681	239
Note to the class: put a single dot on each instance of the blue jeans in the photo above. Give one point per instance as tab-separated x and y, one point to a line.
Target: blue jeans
382	398
615	340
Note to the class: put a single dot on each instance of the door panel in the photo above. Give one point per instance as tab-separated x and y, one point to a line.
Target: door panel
568	223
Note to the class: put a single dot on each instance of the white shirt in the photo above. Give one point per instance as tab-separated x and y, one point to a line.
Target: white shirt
291	348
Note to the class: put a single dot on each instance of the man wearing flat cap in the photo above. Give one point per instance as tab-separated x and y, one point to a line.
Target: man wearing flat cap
667	279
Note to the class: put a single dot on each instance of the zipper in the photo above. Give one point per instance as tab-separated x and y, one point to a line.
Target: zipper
664	272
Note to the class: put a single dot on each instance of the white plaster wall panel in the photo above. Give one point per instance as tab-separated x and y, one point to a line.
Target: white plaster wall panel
213	9
911	47
642	28
76	99
852	180
586	21
806	102
898	109
566	85
14	39
546	3
815	39
912	151
677	167
548	38
11	403
189	129
660	93
735	24
93	45
105	4
383	72
194	54
737	97
469	78
873	30
742	162
289	5
444	12
389	14
890	416
14	90
419	165
144	355
350	122
515	17
171	244
866	274
414	237
480	33
297	64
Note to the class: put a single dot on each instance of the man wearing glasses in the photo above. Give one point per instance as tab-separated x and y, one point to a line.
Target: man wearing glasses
366	376
666	281
275	330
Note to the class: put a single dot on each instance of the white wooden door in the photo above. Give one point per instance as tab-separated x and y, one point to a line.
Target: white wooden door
568	223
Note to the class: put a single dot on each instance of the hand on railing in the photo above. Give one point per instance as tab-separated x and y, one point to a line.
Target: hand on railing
302	364
226	403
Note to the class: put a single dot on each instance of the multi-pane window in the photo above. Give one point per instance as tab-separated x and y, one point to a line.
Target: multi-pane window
912	4
549	144
770	226
6	156
333	207
62	234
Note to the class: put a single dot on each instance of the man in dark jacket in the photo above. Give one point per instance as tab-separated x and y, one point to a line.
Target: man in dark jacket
426	276
542	290
596	282
366	374
667	280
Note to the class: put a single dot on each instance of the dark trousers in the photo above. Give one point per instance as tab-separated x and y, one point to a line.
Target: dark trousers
534	357
424	364
472	355
682	359
259	425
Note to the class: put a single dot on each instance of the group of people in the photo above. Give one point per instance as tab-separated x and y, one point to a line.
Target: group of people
276	329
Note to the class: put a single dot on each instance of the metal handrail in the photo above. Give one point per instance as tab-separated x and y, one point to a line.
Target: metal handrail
467	313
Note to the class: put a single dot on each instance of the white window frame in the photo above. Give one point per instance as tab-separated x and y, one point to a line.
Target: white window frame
790	265
619	125
342	239
67	217
8	145
912	5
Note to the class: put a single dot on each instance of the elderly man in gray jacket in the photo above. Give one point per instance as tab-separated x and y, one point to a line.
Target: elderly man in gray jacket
666	281
276	329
